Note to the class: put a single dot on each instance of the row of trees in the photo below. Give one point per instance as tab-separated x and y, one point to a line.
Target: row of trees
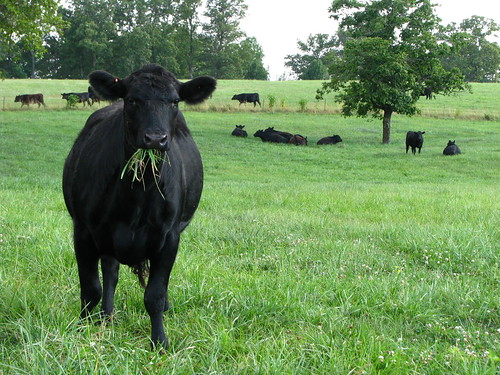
468	49
120	35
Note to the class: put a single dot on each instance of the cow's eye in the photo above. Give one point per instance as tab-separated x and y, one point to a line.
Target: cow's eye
131	101
175	102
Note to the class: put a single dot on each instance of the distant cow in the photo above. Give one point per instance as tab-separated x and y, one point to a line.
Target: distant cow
298	140
414	140
27	99
83	97
270	137
286	135
247	98
330	140
451	149
239	132
117	219
427	92
93	96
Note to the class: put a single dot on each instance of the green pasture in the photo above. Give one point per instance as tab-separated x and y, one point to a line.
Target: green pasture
481	104
348	259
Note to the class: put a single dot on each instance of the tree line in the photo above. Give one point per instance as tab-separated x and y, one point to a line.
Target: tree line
465	45
190	37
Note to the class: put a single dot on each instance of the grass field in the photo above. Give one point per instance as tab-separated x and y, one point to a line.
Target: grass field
482	104
346	259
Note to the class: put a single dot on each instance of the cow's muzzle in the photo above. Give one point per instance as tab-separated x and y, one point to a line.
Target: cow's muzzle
157	141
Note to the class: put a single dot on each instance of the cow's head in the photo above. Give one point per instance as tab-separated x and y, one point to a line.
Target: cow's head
150	101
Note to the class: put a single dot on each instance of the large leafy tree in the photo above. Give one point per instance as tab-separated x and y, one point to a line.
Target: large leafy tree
29	21
476	57
391	55
221	32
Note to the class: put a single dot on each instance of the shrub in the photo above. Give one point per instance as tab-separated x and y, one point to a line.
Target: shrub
303	105
272	101
71	102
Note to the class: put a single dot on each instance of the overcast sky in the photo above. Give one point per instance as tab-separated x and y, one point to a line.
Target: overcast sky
278	24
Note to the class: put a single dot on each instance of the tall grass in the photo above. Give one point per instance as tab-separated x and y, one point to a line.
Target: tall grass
346	259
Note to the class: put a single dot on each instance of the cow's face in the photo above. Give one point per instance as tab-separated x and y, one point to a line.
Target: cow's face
150	102
17	99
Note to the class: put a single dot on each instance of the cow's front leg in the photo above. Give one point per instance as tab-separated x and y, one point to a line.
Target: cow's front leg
110	268
155	297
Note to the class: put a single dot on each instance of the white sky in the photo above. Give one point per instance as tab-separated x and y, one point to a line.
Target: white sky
279	24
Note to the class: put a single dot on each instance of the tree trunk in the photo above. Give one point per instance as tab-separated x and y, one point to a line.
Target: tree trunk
386	135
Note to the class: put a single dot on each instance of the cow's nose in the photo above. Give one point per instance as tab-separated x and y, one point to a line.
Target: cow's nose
155	141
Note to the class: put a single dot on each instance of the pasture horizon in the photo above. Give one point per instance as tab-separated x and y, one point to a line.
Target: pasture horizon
481	104
353	258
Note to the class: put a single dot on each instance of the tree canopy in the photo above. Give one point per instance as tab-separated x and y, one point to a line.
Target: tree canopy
119	36
391	55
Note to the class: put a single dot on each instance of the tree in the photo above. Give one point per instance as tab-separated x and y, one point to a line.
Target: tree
29	21
391	56
316	54
476	57
221	32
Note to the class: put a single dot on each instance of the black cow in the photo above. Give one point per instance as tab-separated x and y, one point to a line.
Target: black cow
27	99
270	137
414	140
451	149
330	140
239	132
286	135
427	92
119	220
247	98
83	97
93	96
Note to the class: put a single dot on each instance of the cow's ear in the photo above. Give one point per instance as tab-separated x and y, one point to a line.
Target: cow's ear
107	85
197	90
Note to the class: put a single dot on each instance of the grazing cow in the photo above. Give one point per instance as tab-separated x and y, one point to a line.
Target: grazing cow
93	96
117	219
239	132
247	98
298	140
270	137
330	140
451	149
83	97
414	140
27	99
427	92
287	135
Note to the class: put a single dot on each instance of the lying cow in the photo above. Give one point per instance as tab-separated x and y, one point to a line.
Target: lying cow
239	132
334	139
247	98
27	99
451	149
414	140
286	135
270	137
298	140
83	97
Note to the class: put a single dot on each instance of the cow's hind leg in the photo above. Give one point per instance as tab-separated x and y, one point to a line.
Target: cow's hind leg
88	261
110	268
155	297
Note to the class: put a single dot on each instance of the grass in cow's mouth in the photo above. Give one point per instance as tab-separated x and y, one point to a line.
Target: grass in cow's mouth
138	165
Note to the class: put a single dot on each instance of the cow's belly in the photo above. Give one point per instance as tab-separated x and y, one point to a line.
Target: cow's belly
131	245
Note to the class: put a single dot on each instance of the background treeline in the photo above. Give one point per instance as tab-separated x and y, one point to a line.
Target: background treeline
191	37
468	47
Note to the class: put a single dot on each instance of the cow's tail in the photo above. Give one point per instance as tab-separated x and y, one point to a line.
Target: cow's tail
142	272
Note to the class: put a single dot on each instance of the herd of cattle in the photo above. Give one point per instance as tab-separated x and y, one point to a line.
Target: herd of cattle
414	140
89	97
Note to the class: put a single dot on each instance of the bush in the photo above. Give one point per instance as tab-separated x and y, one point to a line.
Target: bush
71	102
272	101
303	105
